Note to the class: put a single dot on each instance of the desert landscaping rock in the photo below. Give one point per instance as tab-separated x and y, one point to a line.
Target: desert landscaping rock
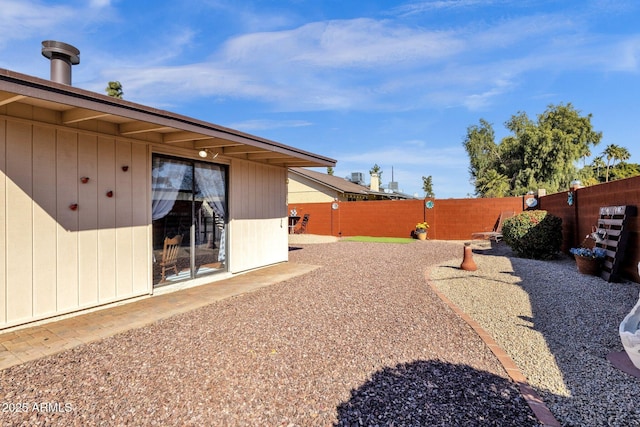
363	340
558	326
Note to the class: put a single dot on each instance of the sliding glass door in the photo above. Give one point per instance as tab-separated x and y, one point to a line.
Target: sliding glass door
189	212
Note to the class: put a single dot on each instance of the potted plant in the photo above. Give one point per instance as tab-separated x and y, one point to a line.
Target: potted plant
588	260
421	230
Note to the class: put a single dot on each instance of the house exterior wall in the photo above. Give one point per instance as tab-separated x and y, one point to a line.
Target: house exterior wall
303	190
258	227
53	259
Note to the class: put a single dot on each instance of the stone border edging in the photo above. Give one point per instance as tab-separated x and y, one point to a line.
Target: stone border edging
540	410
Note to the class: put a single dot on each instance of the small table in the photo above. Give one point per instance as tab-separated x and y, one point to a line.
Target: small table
293	220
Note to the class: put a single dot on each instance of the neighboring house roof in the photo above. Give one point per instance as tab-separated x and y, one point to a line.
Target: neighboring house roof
340	185
393	194
343	185
138	121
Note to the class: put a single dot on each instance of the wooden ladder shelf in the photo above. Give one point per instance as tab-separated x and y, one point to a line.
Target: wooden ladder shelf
612	228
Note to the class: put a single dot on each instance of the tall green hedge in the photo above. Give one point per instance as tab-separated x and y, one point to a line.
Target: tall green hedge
533	234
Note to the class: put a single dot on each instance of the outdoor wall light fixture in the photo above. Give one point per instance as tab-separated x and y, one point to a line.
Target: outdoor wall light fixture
84	179
205	152
125	168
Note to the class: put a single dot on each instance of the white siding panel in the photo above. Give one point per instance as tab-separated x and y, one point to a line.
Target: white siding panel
256	243
44	222
124	233
88	220
67	193
257	208
19	225
106	221
54	260
3	223
141	176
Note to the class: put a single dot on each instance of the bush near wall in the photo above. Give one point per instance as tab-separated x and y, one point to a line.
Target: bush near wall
533	234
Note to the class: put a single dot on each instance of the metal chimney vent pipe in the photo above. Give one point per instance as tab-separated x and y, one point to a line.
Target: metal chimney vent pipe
62	57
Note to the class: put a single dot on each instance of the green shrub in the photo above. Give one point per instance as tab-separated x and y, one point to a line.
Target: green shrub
533	234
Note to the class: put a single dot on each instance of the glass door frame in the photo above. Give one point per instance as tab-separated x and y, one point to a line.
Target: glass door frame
193	247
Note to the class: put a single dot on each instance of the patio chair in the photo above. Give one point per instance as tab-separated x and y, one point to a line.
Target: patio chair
303	225
496	233
170	255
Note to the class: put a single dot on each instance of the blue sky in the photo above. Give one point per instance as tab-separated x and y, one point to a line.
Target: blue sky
395	83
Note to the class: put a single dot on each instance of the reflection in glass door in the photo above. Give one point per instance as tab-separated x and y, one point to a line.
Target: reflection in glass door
189	219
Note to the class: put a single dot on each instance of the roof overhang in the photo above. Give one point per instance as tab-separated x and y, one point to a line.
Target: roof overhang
354	189
74	107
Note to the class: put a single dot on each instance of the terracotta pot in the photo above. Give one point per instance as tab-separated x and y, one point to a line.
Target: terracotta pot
422	236
587	265
468	263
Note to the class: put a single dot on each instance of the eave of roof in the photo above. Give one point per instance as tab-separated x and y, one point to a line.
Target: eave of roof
338	184
345	186
75	105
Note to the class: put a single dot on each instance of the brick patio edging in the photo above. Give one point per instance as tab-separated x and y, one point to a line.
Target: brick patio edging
540	410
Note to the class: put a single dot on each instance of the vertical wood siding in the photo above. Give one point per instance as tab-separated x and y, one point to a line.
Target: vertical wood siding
258	212
55	260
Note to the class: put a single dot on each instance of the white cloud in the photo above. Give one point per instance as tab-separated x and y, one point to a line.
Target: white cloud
259	125
625	56
358	64
476	102
414	154
100	3
357	43
427	6
23	19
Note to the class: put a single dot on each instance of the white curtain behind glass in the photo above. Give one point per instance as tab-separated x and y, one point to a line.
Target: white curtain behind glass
210	183
166	180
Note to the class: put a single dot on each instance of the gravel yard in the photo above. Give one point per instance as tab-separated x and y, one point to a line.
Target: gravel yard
363	340
558	326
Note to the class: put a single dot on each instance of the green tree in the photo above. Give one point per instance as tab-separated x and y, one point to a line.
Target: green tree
493	184
376	169
114	89
624	170
536	154
598	164
427	186
482	149
612	153
330	171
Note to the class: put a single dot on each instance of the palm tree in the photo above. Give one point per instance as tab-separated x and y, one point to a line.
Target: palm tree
598	164
614	152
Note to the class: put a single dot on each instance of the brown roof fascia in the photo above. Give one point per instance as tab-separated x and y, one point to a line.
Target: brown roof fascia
48	90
